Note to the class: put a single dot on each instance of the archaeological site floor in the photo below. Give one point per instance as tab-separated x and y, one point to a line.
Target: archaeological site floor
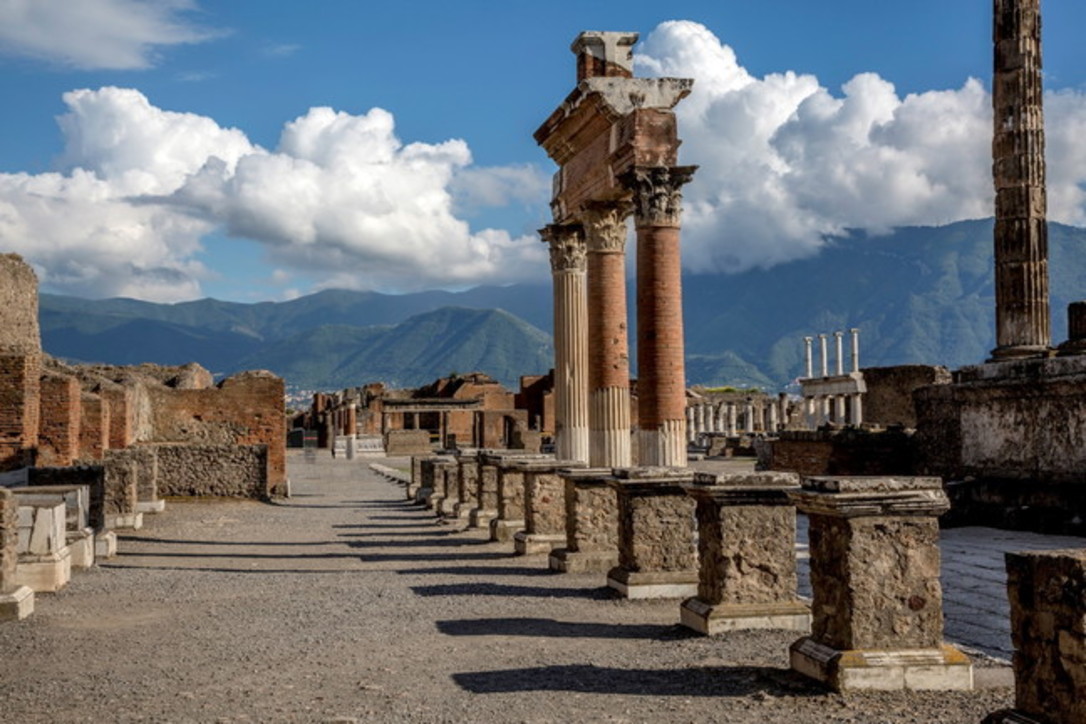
347	603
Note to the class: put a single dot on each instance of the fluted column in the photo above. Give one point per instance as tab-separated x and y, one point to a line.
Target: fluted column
1018	170
657	195
608	337
567	249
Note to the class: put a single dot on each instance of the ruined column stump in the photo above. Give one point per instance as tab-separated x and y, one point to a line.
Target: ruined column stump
415	482
510	513
467	484
122	490
1047	592
16	600
544	506
877	602
591	523
439	498
486	492
747	554
657	552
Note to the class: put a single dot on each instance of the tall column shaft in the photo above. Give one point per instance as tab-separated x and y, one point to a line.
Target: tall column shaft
608	338
567	249
1018	170
657	196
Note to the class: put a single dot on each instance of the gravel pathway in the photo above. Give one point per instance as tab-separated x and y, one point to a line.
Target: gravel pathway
346	603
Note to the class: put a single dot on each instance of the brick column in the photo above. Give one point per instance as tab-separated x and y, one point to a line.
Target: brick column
877	603
657	194
567	249
608	342
1047	591
1018	170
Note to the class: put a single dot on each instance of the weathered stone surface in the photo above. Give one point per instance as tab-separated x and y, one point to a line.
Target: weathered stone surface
1047	591
91	477
9	538
234	471
591	511
656	525
121	483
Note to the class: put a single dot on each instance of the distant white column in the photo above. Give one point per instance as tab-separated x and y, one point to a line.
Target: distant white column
839	409
732	431
748	417
839	338
857	409
855	349
771	417
721	417
810	361
825	356
782	402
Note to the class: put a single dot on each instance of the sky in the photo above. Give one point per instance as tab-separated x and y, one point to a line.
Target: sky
247	150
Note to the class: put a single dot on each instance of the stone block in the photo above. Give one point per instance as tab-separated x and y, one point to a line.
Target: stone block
45	573
591	522
544	506
81	546
657	534
940	669
105	545
16	604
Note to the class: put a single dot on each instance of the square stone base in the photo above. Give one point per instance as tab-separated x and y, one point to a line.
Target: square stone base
105	545
1010	716
653	584
16	605
154	506
710	620
81	547
121	521
567	561
503	530
942	669
479	518
44	574
446	508
462	510
530	544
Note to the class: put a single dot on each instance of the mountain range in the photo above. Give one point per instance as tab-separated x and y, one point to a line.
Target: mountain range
919	295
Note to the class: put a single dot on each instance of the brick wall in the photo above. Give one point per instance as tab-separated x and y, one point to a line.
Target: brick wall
93	427
9	538
61	413
20	386
121	414
18	306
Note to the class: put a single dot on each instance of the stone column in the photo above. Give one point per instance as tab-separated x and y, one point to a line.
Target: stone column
608	341
591	520
1047	591
839	409
657	555
567	250
855	333
856	413
748	417
825	360
877	601
16	600
661	369
782	403
1018	170
691	432
746	554
839	340
808	357
771	417
732	427
467	482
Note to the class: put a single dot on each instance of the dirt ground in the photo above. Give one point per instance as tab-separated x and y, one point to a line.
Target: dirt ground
347	603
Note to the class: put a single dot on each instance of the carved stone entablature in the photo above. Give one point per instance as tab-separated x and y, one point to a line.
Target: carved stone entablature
567	246
605	226
657	193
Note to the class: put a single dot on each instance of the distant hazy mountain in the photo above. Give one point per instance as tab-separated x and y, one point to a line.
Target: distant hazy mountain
918	295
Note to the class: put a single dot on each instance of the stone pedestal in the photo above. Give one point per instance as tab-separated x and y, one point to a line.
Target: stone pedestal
16	600
105	544
429	468
416	475
81	546
877	603
544	506
467	484
486	493
444	480
747	555
657	548
510	511
591	523
124	521
152	507
44	563
1047	592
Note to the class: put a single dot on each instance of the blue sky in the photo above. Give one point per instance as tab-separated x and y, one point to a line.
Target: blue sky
173	177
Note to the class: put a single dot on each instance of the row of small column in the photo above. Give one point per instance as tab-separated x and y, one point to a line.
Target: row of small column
724	417
591	376
841	407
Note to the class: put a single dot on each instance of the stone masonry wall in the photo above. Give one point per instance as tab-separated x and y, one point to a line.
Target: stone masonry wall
889	396
236	471
61	413
840	452
93	427
9	539
19	330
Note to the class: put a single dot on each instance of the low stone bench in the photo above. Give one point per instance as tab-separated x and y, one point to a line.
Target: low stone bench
79	533
747	554
657	534
16	599
544	506
591	521
877	602
1047	592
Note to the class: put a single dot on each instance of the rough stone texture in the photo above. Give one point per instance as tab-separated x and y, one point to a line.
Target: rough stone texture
121	483
510	493
59	426
9	538
1015	428
468	481
19	330
840	452
235	471
889	397
656	523
1018	172
487	486
591	513
145	457
545	501
19	408
746	538
1047	592
407	442
93	427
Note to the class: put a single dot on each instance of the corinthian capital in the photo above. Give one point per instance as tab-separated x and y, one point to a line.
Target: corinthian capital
567	246
657	193
605	225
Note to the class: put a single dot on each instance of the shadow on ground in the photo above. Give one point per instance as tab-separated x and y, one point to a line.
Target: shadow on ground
551	628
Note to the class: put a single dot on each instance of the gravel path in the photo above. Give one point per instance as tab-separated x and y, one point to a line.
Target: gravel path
346	603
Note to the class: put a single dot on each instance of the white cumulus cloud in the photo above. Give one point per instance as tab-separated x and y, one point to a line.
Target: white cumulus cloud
96	34
341	196
785	161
